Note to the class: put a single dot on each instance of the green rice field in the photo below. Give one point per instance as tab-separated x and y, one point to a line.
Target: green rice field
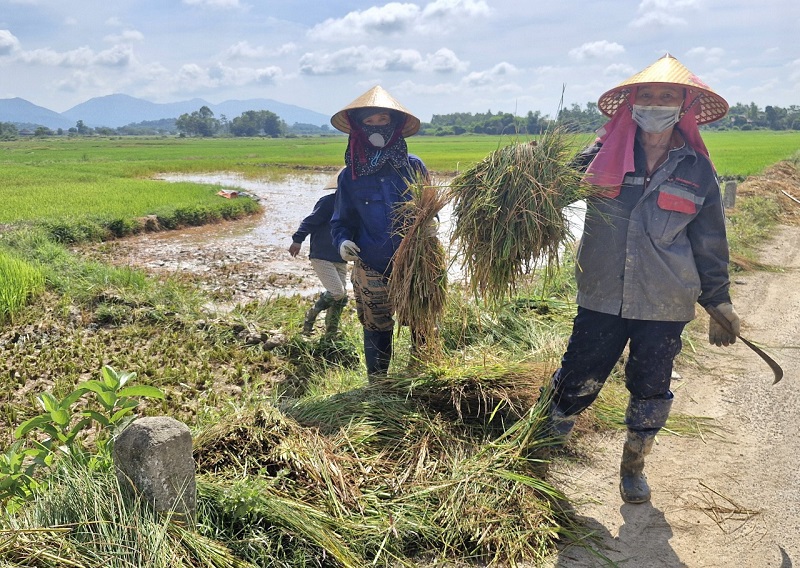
66	177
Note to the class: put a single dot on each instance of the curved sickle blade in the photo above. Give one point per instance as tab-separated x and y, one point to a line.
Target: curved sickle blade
723	321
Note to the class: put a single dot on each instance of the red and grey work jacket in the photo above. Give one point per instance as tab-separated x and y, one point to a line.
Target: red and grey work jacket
657	246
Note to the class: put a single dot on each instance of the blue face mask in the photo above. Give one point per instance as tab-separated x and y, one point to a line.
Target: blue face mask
655	119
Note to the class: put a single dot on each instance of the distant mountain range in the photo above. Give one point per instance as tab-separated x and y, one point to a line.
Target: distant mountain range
121	110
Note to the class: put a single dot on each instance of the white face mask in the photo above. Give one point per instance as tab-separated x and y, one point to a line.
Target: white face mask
655	119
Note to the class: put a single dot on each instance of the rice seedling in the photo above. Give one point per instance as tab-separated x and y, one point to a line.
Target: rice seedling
508	212
19	282
418	282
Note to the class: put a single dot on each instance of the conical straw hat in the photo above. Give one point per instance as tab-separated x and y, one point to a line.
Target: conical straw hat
376	97
333	181
668	70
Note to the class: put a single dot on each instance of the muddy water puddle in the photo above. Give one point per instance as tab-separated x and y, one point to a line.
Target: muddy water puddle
239	260
248	259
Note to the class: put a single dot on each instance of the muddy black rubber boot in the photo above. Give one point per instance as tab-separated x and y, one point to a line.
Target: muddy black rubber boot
633	485
323	302
559	427
377	353
644	417
333	316
553	436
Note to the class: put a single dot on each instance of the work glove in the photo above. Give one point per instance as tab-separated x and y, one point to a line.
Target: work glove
294	248
349	250
720	334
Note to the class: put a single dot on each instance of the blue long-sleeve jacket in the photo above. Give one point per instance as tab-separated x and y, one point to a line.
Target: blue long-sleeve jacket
318	225
364	211
658	246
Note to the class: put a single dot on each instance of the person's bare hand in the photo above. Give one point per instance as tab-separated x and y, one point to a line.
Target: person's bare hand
294	249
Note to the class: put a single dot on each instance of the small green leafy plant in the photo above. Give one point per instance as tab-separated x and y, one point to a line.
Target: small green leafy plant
56	430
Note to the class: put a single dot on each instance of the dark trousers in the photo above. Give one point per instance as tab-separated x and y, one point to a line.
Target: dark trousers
595	346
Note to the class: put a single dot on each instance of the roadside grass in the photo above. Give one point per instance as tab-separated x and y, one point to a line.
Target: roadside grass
301	461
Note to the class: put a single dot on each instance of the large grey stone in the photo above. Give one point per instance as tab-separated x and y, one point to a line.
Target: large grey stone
153	457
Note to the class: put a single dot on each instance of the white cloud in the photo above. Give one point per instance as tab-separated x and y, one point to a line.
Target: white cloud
117	56
596	50
489	77
193	77
794	70
393	18
9	44
663	13
79	81
342	61
444	61
619	70
362	59
126	36
213	3
667	5
244	50
455	9
396	60
707	54
396	18
659	20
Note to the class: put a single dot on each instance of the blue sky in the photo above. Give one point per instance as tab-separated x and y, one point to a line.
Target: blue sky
436	56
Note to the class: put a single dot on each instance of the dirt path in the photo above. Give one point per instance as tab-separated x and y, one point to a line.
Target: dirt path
726	501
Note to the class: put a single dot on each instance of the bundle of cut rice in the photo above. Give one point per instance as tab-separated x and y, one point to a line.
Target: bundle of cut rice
508	212
418	282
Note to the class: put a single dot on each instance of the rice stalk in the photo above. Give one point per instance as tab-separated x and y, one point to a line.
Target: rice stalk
418	282
491	507
252	506
508	212
479	393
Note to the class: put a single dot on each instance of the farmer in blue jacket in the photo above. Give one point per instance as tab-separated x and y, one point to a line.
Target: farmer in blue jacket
654	245
326	262
378	169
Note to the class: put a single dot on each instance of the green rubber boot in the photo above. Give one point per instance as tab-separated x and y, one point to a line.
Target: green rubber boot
333	316
323	303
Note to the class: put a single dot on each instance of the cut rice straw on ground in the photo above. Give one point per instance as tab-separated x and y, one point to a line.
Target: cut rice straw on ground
508	212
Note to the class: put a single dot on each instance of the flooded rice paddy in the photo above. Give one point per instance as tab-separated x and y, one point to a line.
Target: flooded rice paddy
246	260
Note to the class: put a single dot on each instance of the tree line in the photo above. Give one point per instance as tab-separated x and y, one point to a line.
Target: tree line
588	119
203	123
